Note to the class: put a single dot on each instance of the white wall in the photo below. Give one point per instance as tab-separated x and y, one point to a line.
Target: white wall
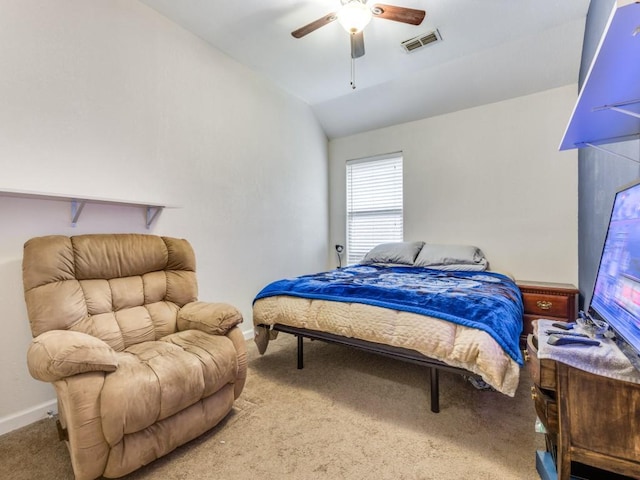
107	98
490	176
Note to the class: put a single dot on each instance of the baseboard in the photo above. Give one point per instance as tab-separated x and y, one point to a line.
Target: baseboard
248	334
28	416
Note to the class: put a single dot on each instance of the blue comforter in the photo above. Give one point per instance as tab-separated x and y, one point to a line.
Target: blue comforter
484	300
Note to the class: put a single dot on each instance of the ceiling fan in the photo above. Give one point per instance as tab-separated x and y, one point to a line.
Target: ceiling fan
354	15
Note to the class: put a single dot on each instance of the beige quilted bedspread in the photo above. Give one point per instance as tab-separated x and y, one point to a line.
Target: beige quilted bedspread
456	345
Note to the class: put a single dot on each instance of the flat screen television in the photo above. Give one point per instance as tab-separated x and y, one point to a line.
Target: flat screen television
616	292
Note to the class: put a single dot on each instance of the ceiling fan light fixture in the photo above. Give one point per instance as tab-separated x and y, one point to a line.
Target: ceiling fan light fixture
354	16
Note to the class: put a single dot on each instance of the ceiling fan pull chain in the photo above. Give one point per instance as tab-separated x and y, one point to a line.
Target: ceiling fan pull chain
353	73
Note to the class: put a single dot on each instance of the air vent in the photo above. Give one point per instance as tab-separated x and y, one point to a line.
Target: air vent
421	41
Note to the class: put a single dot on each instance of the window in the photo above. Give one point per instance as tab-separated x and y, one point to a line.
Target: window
374	204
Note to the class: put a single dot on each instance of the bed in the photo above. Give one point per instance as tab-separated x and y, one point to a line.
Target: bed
435	305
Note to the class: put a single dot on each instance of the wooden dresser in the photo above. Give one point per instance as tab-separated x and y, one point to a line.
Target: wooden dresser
555	301
590	419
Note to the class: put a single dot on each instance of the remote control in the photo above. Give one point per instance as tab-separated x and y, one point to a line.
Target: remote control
563	325
574	334
571	340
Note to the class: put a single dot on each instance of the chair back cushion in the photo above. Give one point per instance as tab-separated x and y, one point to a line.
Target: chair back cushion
121	288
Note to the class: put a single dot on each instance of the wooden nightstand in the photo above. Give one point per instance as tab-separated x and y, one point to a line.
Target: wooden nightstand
555	301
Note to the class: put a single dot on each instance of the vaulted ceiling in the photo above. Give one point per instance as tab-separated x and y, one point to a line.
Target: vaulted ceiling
491	50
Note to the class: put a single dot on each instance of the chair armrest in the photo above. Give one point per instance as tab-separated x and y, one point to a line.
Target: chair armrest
57	354
212	318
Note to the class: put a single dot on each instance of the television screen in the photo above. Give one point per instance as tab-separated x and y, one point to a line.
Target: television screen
616	293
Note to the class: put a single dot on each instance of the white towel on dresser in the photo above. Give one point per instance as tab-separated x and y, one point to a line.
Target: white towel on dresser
606	360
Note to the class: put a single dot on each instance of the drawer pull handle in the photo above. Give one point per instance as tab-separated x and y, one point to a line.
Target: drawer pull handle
544	304
534	394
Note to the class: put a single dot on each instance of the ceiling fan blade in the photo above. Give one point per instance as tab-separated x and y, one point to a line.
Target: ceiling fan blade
398	14
357	45
321	22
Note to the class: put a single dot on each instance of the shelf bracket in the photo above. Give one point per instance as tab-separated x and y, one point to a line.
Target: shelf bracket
626	112
77	206
616	108
606	150
152	214
76	210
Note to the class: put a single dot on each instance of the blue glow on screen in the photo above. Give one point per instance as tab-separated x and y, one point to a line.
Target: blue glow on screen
616	295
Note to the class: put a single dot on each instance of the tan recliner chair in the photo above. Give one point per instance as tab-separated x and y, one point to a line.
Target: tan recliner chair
139	366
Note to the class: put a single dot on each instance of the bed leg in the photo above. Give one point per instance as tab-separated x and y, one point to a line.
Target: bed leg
300	359
435	390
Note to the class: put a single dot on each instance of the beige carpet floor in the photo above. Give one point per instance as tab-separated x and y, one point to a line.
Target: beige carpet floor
347	415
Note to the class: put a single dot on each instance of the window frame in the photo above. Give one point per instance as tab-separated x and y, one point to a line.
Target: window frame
355	253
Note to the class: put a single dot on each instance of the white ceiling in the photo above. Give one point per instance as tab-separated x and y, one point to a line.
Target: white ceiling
491	50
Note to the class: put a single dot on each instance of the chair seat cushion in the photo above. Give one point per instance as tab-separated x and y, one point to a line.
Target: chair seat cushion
157	379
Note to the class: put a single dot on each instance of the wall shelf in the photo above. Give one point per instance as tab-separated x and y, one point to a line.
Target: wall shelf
608	106
78	202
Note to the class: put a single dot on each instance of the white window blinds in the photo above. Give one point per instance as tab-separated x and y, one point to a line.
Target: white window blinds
374	204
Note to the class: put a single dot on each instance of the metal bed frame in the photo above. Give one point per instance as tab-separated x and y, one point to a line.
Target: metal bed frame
398	353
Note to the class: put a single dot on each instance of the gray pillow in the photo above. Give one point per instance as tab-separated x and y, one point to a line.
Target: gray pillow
452	257
396	252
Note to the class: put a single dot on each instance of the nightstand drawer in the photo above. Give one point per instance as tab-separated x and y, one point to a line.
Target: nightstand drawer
544	305
555	301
